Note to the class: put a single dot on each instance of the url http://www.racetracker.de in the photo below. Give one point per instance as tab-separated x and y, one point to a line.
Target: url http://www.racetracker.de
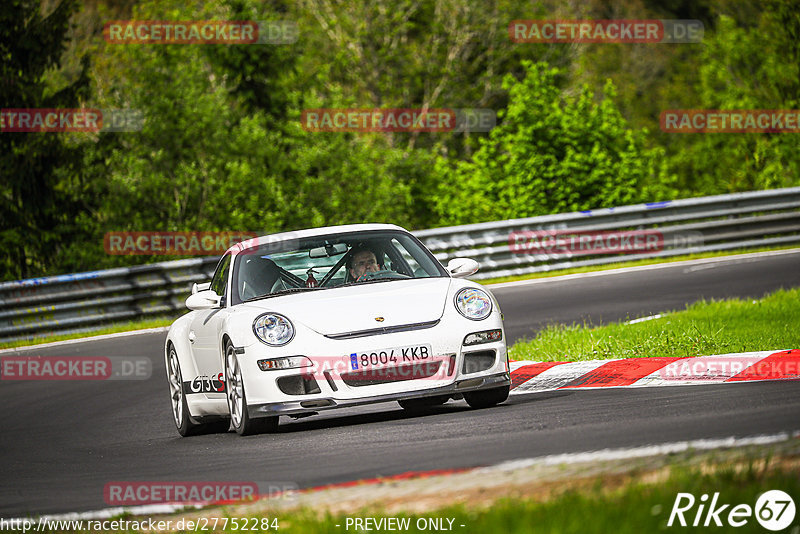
201	524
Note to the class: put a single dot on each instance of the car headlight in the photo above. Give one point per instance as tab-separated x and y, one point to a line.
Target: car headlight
473	303
273	329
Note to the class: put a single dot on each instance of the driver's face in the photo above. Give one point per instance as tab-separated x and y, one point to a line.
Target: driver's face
363	262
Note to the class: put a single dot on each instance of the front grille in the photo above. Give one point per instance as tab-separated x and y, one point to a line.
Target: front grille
388	375
383	330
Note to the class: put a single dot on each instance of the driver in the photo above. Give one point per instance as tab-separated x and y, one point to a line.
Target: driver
361	261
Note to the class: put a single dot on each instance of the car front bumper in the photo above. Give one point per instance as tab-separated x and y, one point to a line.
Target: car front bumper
308	406
454	375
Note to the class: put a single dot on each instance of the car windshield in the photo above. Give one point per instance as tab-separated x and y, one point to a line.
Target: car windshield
324	262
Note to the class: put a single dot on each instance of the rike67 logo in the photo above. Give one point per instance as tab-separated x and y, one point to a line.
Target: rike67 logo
774	510
205	384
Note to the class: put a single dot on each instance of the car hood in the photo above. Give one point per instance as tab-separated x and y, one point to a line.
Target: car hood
354	308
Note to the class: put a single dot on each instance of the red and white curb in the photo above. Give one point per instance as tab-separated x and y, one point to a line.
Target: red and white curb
531	377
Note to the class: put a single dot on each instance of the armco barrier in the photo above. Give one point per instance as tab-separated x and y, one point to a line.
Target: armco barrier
86	301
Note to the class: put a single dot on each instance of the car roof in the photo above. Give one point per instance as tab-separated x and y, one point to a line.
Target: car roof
311	232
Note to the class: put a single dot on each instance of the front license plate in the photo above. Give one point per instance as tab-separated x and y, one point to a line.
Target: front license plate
393	356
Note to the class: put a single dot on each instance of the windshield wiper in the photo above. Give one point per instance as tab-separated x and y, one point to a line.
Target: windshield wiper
282	292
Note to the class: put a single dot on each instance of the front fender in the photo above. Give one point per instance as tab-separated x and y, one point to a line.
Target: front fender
178	335
239	328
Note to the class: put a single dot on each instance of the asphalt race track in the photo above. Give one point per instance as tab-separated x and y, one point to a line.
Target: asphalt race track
602	297
62	442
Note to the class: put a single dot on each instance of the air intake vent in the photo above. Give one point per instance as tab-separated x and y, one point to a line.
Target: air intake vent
388	375
475	362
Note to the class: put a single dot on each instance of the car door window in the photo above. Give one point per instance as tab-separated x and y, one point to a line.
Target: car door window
220	280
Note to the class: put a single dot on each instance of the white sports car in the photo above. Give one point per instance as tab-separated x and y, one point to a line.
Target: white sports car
299	322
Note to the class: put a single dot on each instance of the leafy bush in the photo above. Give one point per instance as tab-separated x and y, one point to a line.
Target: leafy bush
553	152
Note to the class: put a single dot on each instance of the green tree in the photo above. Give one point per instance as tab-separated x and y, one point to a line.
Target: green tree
40	171
553	152
411	53
222	147
745	64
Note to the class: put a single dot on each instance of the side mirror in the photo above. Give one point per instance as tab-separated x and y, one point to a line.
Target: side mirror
200	287
203	300
462	267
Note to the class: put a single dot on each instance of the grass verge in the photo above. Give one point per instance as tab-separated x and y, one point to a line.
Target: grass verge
115	328
636	263
634	508
706	327
621	496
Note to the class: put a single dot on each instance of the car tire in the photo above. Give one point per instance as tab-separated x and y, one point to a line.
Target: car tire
487	398
236	396
183	420
423	403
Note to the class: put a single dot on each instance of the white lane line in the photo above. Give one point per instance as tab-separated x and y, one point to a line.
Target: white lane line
648	318
696	268
85	339
107	513
625	270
